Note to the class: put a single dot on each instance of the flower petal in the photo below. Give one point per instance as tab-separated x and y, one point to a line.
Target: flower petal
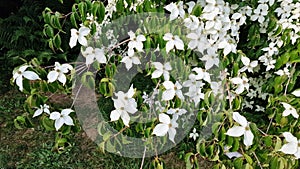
115	115
52	76
68	120
289	137
172	133
54	115
248	138
58	123
163	118
30	75
160	129
240	119
168	94
125	118
66	112
37	112
289	148
236	131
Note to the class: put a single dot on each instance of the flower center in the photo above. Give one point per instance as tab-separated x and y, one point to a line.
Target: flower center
247	128
19	72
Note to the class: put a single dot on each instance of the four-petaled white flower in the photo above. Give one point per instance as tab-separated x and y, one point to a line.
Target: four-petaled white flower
248	65
136	41
289	110
94	53
176	112
161	70
292	145
130	59
194	134
241	83
260	12
59	73
20	73
176	10
80	36
173	41
43	108
124	104
244	129
211	58
165	126
172	90
62	118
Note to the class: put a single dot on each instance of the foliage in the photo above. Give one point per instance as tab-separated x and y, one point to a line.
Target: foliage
229	66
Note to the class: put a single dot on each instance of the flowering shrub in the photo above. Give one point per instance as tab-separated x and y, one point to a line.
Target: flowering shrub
222	79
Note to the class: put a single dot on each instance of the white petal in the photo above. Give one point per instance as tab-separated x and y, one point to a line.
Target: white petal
168	85
66	112
169	45
160	129
179	43
82	40
58	123
156	74
233	154
125	118
168	94
248	138
296	93
19	82
245	60
54	115
240	119
172	133
164	118
37	112
30	75
236	131
73	41
52	76
68	120
168	37
130	92
289	137
23	68
83	31
115	115
62	78
297	154
236	80
289	148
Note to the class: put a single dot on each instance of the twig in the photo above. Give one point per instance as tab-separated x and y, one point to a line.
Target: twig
143	159
76	95
123	129
258	160
269	124
289	80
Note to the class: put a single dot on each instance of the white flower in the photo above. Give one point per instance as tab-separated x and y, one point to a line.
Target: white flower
194	134
241	83
272	49
43	108
292	145
244	129
79	35
283	72
260	12
176	112
211	58
289	110
192	22
62	118
20	73
130	59
227	46
94	53
161	70
296	93
247	64
165	126
176	10
196	95
59	73
201	74
136	41
124	104
171	90
173	41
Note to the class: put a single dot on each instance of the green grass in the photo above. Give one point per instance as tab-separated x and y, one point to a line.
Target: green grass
32	147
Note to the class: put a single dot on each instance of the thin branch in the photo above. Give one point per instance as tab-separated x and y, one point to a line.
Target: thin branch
258	160
143	159
289	80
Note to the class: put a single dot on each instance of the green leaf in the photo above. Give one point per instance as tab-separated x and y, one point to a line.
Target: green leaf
57	41
282	60
248	158
47	123
73	20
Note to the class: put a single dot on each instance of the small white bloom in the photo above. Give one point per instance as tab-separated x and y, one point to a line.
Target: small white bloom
43	108
176	10
172	90
20	73
211	58
94	53
296	93
260	12
244	129
283	72
292	145
201	74
173	41
194	134
62	118
165	126
59	73
136	41
241	83
249	66
289	110
80	36
161	70
176	112
130	59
